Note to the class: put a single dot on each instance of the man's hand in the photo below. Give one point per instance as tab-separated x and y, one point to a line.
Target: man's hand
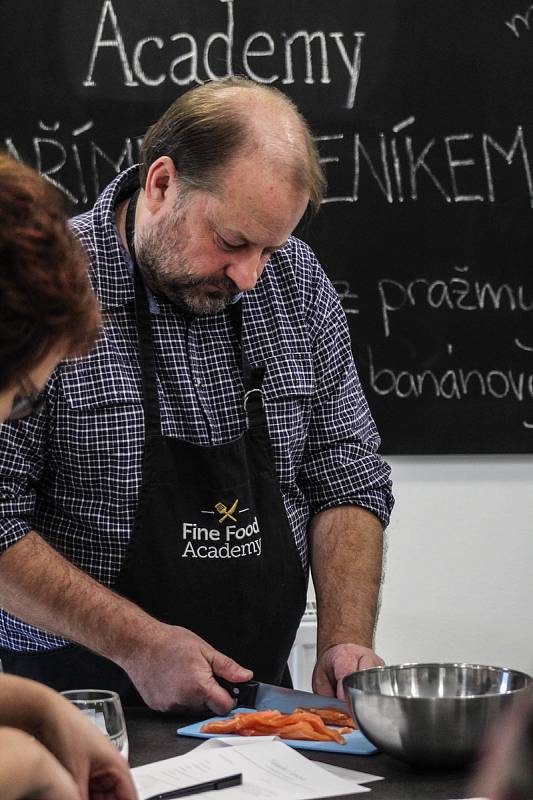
176	670
27	769
337	662
171	667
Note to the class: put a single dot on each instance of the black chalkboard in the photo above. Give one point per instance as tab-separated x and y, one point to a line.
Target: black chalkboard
424	115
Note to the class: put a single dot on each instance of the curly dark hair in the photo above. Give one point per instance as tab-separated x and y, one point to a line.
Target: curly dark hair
45	296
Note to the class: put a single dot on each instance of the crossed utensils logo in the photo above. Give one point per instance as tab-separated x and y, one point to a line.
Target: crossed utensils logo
226	513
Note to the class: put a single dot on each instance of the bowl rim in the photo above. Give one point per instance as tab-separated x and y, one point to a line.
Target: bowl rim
410	664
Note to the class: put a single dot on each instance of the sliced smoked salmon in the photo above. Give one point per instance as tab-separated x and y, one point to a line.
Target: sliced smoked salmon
332	716
301	724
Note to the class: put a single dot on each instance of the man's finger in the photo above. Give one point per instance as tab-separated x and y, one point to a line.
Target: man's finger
227	668
340	689
322	684
369	660
218	699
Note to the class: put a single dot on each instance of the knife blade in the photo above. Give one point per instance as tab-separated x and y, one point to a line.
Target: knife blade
263	696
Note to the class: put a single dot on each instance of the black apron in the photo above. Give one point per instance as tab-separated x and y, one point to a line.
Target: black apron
211	549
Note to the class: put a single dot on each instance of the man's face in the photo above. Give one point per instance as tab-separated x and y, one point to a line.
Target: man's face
203	248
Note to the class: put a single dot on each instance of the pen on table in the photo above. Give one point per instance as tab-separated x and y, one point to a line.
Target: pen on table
208	786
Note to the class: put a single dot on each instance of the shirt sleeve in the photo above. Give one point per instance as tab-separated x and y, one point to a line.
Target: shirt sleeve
341	464
22	449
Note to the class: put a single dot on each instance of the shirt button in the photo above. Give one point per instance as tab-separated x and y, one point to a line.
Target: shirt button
197	383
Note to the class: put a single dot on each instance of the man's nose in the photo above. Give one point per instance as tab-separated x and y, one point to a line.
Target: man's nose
245	270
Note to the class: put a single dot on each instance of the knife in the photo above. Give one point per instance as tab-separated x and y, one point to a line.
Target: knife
263	696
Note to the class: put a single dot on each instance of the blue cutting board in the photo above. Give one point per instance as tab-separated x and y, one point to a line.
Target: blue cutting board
356	743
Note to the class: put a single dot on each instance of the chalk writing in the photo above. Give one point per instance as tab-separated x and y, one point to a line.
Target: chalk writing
525	19
403	169
522	346
347	297
451	384
181	53
400	172
84	158
456	294
53	127
425	231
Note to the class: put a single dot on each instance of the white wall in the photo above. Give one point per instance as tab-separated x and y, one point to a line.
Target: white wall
459	571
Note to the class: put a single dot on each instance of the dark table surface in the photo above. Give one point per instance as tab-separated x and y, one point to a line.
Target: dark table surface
152	736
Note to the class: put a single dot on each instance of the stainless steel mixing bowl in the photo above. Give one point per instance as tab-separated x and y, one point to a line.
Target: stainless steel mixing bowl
431	714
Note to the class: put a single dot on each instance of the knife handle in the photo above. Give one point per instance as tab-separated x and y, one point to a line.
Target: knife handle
244	693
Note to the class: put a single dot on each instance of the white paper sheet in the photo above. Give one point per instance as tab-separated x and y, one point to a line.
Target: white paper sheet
352	775
271	771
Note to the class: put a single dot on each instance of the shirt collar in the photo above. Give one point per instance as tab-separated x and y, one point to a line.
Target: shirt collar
112	279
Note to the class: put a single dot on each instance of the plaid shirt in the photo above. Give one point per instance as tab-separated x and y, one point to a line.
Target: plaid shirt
73	472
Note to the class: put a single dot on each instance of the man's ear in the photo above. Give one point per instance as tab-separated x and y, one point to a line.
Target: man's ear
160	189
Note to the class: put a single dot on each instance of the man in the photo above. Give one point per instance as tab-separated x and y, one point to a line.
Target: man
214	439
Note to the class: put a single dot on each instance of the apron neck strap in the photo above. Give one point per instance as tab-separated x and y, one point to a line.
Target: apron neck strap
252	376
152	417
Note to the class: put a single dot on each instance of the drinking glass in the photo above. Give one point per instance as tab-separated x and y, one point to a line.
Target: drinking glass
104	709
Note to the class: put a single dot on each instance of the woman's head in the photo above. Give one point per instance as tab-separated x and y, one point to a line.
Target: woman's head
47	308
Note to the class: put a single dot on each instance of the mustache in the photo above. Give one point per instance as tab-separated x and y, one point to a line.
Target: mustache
162	281
224	284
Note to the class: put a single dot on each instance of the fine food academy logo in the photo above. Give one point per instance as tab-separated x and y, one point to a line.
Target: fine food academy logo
239	537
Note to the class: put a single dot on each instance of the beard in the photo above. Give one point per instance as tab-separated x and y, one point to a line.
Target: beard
168	272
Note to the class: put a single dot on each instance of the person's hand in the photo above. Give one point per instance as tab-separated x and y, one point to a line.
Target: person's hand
338	661
176	670
73	744
27	769
97	767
